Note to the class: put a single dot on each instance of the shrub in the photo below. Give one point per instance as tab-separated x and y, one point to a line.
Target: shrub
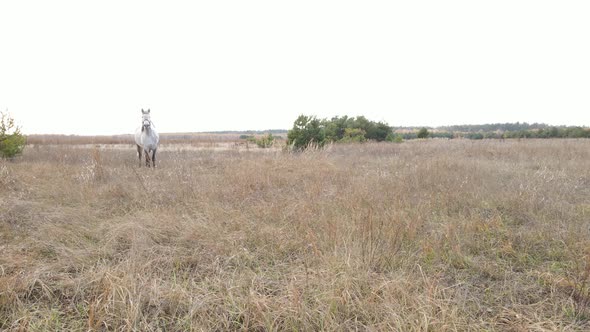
378	131
12	142
441	134
265	141
423	133
353	135
395	138
475	136
335	127
307	130
398	138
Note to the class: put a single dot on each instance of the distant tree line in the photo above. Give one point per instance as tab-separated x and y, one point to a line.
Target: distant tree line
550	132
491	127
309	130
547	132
499	131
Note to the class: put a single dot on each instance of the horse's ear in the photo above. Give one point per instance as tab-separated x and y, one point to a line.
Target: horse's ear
142	111
148	110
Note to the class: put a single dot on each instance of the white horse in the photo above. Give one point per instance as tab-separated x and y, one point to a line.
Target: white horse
147	139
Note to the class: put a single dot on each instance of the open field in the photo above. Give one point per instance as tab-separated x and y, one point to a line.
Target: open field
197	139
421	236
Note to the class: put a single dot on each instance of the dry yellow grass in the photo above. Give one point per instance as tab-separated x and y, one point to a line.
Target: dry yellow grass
420	236
195	139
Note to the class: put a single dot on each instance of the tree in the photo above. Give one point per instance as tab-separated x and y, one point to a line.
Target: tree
423	133
307	130
336	126
12	142
378	131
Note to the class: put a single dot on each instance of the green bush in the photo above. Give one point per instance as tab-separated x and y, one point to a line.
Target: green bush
378	131
395	138
475	136
307	131
12	142
337	129
353	135
265	141
423	133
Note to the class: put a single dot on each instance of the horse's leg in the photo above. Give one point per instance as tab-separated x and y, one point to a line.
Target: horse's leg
154	158
139	152
147	157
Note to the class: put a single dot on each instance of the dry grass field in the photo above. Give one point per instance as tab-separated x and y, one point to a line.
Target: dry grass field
420	236
194	139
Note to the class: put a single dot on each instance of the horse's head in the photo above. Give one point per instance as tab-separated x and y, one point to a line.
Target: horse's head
145	119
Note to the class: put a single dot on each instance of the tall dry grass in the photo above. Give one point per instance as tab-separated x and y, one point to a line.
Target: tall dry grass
419	236
195	139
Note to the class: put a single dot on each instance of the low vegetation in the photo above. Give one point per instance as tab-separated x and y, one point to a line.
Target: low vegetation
265	141
429	235
12	142
423	133
309	130
516	130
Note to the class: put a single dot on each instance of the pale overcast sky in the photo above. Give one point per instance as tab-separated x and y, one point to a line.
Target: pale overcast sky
88	67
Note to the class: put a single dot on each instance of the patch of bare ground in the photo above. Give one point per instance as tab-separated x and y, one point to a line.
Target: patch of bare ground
419	236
